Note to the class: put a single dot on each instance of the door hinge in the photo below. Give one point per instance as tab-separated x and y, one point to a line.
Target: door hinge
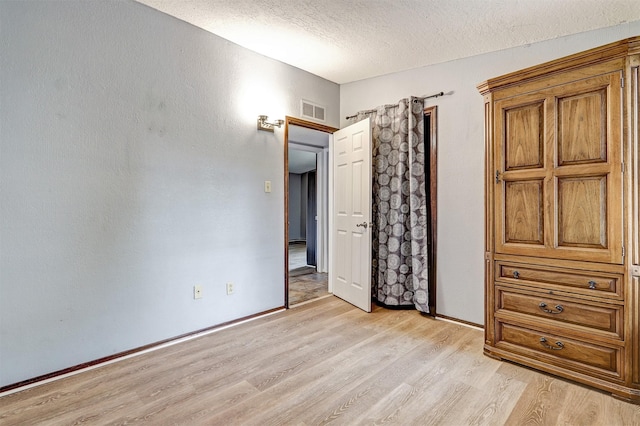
623	167
623	251
622	82
497	176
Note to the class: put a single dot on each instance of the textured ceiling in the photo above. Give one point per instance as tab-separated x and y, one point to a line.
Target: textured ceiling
349	40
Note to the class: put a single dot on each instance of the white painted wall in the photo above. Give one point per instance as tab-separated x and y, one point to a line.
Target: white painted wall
461	150
130	170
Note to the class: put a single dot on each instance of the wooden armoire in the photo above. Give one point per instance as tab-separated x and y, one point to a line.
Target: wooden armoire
562	217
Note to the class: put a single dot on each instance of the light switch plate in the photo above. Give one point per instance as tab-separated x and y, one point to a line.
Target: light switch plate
197	292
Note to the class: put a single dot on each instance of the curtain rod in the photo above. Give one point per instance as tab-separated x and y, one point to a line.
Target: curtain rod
418	99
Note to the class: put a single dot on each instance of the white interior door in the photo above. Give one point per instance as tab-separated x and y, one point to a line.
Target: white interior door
350	268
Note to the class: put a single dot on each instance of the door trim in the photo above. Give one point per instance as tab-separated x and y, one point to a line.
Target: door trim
309	125
432	149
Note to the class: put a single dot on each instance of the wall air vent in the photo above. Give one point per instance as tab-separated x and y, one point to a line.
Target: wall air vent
312	111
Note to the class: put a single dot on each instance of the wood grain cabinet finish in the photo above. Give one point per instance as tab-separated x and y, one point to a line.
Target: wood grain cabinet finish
568	315
562	236
562	351
588	283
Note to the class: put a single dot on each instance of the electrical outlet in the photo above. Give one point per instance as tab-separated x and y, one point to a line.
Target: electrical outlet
197	292
230	288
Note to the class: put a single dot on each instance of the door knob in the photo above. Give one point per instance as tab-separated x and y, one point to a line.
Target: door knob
363	224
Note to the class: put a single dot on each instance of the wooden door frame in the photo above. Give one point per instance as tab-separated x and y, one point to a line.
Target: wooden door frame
309	125
432	150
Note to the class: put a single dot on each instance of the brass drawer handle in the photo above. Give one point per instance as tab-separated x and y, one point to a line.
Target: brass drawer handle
559	345
516	274
592	285
558	308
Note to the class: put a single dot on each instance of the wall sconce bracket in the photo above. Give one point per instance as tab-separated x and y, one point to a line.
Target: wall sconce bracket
263	124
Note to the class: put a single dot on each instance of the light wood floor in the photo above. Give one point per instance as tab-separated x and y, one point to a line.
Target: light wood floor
322	362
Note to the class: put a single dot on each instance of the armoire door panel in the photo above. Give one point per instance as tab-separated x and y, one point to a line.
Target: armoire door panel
582	212
582	128
558	179
523	136
524	215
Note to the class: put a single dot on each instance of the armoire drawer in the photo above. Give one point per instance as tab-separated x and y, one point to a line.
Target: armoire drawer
563	352
602	317
584	282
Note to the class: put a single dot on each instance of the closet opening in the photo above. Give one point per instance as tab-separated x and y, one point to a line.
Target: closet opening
431	182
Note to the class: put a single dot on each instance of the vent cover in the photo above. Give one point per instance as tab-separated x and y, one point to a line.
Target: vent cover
312	110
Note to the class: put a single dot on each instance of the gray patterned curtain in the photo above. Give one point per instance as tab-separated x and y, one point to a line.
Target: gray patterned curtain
399	241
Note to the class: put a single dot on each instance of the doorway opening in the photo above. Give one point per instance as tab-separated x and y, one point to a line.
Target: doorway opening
306	150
